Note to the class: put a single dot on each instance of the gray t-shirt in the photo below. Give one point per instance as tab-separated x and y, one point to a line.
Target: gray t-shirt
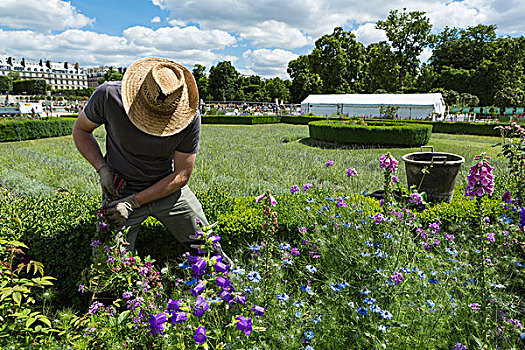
141	159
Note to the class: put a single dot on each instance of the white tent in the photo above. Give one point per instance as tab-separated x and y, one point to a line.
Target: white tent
410	106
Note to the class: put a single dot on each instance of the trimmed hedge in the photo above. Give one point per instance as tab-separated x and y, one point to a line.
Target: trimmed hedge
381	133
241	119
35	129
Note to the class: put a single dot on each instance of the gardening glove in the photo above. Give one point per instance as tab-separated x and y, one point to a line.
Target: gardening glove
119	210
106	181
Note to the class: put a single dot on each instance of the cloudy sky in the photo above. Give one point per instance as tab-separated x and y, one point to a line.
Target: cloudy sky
259	37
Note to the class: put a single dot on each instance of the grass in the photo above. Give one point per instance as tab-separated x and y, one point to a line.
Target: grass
242	160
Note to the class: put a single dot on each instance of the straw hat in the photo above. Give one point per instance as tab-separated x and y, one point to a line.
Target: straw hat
160	96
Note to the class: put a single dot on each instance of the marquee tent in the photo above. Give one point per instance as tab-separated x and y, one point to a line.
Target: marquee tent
410	106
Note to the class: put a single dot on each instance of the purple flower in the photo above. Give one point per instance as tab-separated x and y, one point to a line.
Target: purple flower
307	186
95	307
491	237
459	346
82	288
273	202
222	282
199	265
240	299
475	306
200	335
103	226
397	278
127	294
259	198
388	162
221	267
178	317
258	310
174	305
351	172
415	198
198	289
395	179
295	252
302	229
156	323
522	221
294	189
378	218
507	197
226	296
480	178
329	163
341	202
201	306
244	324
95	244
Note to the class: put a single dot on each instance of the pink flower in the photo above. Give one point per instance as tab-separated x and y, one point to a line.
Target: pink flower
329	163
351	172
259	198
273	201
388	162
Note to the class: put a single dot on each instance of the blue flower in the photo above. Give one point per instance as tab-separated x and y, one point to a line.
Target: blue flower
184	266
307	289
309	335
382	328
310	200
370	301
334	287
248	290
298	314
311	269
363	254
433	280
298	304
430	303
255	248
316	320
362	311
386	315
191	282
283	297
284	246
351	304
375	309
365	291
254	276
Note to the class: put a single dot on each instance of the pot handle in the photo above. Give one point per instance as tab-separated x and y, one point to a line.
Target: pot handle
439	159
432	147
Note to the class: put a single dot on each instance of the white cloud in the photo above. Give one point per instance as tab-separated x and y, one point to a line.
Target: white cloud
175	38
41	15
155	19
91	49
269	63
367	34
177	23
275	34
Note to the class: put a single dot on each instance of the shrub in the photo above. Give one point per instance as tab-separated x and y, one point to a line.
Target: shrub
240	119
30	86
386	134
35	129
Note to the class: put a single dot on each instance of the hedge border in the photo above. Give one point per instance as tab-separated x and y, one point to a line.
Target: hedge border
241	119
382	134
35	129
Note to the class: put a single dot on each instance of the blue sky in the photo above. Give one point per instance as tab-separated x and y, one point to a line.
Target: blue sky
259	37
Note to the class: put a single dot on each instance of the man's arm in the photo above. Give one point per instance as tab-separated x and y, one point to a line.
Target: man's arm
184	163
85	141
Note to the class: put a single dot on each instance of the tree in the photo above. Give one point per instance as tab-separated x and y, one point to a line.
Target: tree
6	83
382	71
510	97
202	81
510	59
468	100
276	89
338	58
409	33
14	75
30	86
222	81
110	75
304	81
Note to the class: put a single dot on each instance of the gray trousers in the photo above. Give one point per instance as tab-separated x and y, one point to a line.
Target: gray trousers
178	212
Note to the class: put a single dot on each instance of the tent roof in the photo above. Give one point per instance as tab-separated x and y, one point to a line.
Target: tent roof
377	99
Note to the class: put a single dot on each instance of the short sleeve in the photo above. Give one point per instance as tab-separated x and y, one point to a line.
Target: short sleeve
96	105
190	142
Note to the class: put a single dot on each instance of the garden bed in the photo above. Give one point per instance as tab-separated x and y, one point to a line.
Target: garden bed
372	134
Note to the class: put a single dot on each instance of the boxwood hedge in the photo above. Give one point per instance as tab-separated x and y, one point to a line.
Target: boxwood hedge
375	134
35	129
241	119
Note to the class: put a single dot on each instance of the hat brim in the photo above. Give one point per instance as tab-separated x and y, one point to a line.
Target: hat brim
139	112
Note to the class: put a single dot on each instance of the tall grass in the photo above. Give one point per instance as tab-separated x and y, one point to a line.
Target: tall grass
242	160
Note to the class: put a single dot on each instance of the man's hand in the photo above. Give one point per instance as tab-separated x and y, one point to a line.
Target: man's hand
106	181
119	210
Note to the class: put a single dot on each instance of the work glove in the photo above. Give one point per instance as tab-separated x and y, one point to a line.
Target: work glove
118	211
106	181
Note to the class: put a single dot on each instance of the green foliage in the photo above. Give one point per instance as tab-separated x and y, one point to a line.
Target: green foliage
6	83
111	75
75	94
19	290
509	97
305	81
382	69
30	86
222	82
383	134
35	129
409	33
241	119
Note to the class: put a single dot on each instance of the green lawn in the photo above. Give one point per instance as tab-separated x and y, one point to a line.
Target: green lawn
244	160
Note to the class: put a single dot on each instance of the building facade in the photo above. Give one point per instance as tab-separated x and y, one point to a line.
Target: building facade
60	75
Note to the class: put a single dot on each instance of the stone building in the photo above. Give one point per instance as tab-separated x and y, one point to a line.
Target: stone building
60	75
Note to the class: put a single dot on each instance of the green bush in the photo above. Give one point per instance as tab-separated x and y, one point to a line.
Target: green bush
381	133
241	119
35	129
30	86
6	83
